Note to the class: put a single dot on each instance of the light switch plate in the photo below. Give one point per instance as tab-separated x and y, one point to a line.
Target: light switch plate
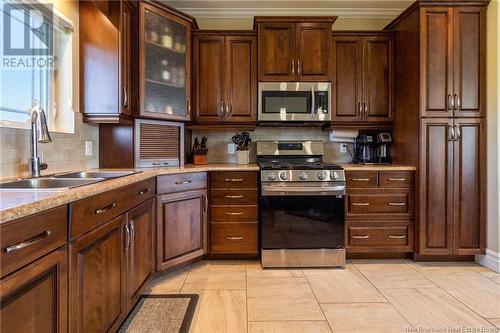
231	148
88	148
343	148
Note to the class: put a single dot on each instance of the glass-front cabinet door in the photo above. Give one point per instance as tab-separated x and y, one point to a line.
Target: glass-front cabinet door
165	62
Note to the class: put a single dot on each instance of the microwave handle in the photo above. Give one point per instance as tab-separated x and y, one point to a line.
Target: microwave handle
313	102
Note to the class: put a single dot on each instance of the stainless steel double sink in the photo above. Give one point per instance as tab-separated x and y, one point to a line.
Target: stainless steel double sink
65	180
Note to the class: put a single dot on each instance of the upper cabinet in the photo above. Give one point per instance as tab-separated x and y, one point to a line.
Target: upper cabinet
363	78
164	63
107	69
453	61
294	48
225	77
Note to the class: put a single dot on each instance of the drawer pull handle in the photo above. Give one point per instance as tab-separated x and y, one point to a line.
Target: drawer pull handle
234	213
105	209
397	203
396	179
19	246
397	236
361	204
361	237
142	192
234	196
183	182
235	237
360	179
234	180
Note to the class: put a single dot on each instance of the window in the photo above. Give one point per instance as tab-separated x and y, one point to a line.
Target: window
36	65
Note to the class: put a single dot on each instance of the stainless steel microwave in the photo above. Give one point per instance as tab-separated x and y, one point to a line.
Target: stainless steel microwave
295	101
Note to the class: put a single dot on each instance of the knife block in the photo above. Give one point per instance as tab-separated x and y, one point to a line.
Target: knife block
200	159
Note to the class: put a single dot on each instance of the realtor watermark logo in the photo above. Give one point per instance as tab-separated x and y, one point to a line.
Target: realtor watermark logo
28	36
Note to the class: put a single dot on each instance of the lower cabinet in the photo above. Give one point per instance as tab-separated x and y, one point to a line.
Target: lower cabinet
97	279
35	297
139	249
181	227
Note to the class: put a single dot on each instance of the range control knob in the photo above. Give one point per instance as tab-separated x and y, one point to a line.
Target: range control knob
322	175
284	175
303	176
271	176
334	175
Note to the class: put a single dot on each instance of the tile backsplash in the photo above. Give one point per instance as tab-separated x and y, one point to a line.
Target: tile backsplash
218	141
66	152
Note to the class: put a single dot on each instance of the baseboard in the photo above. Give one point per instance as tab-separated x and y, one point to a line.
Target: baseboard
490	260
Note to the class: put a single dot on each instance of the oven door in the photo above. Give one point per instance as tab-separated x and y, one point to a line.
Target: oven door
311	221
294	101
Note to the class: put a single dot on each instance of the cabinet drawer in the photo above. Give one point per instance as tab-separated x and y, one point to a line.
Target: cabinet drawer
361	179
237	179
396	179
181	182
89	213
29	238
379	203
379	236
234	214
233	196
233	238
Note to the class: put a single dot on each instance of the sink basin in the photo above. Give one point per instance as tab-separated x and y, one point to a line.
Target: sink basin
47	183
109	174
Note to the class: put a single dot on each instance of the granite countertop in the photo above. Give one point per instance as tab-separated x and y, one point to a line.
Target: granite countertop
378	167
15	204
21	203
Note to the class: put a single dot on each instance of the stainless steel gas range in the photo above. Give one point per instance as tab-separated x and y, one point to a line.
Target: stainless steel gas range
301	205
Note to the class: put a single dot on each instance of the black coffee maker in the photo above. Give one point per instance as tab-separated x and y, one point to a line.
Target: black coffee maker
365	149
383	145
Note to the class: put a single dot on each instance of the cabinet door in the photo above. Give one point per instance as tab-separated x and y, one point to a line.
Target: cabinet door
209	77
436	65
347	79
35	297
313	48
378	79
97	279
165	64
436	187
241	78
469	186
469	61
277	61
139	249
181	227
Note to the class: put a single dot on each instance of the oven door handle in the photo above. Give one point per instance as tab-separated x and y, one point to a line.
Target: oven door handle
313	102
302	190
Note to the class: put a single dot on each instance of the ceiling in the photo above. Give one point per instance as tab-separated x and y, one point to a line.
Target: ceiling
250	8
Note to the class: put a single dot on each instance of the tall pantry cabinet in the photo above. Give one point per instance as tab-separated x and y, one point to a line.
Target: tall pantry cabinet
440	123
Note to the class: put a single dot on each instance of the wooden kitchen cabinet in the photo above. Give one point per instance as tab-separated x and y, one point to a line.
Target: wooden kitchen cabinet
294	48
181	227
225	76
108	53
35	297
97	278
139	249
452	186
454	57
363	76
164	62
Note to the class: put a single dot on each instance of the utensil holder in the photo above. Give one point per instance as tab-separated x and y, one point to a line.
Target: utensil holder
242	157
200	159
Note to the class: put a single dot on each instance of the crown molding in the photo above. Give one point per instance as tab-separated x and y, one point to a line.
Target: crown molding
382	13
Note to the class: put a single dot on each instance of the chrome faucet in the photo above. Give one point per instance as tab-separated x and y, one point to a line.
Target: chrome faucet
39	133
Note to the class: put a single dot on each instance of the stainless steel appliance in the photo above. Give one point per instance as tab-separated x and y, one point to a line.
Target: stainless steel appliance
382	151
301	206
294	101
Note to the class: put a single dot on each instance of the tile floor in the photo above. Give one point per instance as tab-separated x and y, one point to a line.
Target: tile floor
367	296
